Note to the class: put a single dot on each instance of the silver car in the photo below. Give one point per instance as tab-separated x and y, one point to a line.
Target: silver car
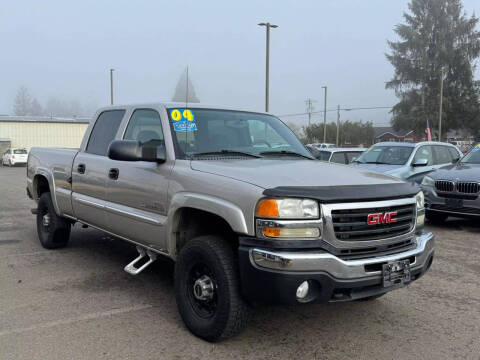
454	190
408	161
336	155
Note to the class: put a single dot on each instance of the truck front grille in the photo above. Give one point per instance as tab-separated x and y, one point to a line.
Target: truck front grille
351	225
445	186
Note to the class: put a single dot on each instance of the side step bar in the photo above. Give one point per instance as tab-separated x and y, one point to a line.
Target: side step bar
132	270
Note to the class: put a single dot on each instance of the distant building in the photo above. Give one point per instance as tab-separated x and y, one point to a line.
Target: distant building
30	131
388	133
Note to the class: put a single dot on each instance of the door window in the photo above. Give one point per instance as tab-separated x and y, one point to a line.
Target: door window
453	153
424	152
145	126
352	155
104	131
442	155
338	157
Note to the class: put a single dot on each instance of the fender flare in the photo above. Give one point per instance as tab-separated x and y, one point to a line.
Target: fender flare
230	212
47	174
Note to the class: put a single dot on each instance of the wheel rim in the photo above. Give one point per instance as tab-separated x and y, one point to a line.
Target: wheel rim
202	290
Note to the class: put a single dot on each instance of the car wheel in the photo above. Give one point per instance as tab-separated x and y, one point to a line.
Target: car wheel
207	289
435	217
53	230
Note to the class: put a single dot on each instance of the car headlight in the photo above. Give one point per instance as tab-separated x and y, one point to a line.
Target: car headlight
420	209
428	181
420	200
288	209
288	218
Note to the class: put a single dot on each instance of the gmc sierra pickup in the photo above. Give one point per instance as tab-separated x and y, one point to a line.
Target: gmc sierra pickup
235	199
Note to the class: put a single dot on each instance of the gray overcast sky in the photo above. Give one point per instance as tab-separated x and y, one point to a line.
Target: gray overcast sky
65	48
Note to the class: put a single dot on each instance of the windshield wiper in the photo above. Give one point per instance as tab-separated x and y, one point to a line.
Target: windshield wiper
225	152
285	152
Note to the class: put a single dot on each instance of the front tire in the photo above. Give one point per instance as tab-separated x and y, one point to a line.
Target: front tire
207	289
435	217
53	230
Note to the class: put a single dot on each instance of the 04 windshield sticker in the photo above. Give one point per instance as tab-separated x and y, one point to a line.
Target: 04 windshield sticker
183	120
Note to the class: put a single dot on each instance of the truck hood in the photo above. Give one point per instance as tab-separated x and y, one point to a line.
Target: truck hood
269	173
381	168
459	171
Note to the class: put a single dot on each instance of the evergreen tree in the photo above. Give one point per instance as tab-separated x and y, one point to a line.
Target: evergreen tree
437	38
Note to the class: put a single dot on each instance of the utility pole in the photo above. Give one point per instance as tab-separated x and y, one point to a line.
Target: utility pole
441	105
111	86
325	116
309	103
267	62
338	123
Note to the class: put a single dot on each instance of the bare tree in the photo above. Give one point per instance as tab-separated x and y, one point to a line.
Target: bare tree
23	101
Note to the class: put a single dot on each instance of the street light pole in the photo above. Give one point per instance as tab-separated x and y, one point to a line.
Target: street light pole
325	116
441	106
267	62
338	123
111	86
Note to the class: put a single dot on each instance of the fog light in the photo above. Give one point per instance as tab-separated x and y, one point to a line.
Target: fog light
302	290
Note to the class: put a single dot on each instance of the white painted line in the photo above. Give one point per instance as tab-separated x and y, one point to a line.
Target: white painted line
92	316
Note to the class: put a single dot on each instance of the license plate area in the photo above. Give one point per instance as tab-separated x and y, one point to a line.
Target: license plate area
454	203
396	273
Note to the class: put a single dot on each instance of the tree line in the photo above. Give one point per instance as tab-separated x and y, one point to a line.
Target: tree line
25	104
437	48
349	133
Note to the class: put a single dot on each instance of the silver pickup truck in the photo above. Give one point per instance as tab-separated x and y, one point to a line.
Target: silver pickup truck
235	199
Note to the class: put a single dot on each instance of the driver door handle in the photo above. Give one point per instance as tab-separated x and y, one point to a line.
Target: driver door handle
113	173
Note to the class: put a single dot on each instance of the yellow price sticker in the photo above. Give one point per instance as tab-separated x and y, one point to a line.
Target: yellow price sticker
176	115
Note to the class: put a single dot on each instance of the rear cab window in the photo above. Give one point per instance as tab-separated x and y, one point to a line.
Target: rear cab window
339	158
104	131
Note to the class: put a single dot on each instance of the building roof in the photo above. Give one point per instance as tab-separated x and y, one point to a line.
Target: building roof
43	119
382	130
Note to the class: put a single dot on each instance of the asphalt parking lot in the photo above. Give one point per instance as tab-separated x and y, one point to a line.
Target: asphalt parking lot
78	303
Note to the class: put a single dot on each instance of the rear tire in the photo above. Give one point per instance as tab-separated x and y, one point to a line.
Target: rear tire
219	312
435	217
53	230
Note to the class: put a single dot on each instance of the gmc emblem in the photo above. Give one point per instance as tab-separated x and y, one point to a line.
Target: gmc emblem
387	218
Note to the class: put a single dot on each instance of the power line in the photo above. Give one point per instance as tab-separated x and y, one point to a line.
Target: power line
342	109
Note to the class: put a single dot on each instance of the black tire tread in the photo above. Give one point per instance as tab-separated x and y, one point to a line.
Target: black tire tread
61	226
239	311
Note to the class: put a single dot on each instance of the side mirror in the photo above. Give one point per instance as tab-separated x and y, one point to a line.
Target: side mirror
420	162
132	150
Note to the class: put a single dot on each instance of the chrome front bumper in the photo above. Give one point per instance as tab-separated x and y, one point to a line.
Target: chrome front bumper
321	261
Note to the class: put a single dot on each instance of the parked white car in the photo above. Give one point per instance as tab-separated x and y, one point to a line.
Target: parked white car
15	156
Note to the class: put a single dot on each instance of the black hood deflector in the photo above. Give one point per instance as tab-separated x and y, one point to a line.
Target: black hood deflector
346	193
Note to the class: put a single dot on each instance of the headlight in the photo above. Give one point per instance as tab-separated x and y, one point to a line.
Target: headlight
428	181
288	209
420	210
420	200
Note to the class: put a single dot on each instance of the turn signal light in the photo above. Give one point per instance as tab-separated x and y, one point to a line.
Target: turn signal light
291	232
267	208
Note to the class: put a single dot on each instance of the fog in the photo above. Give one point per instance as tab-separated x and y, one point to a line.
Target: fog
64	50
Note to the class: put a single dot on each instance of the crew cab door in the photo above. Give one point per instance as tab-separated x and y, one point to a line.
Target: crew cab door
90	170
137	190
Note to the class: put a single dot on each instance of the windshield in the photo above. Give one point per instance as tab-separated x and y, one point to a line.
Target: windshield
19	151
473	157
207	132
390	155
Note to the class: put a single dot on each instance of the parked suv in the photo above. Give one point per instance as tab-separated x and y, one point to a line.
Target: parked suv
454	190
408	161
235	199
